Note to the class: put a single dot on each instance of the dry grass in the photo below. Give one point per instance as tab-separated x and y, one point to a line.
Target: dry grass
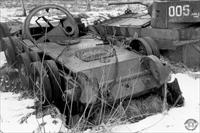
10	81
103	117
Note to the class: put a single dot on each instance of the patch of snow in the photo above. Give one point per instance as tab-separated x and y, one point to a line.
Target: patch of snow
175	118
2	59
12	110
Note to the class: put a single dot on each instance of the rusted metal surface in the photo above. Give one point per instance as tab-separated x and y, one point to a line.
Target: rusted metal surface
71	61
122	67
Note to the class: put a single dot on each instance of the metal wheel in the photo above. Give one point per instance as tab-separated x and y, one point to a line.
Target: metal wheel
55	80
10	50
159	71
42	86
2	45
25	70
141	45
153	45
64	27
4	30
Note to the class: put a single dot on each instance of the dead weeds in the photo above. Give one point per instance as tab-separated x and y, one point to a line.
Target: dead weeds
10	81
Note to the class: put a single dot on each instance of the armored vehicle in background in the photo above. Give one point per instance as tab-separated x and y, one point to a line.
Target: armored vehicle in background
169	28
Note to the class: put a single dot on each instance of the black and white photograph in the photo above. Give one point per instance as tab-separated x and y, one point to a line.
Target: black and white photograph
99	66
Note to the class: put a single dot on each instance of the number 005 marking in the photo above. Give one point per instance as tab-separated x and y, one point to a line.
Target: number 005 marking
179	10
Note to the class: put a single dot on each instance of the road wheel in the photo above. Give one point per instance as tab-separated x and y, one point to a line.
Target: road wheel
141	46
153	45
42	85
159	70
55	80
25	70
2	45
4	30
10	51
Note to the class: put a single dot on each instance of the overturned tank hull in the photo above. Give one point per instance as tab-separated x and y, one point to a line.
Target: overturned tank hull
111	71
66	68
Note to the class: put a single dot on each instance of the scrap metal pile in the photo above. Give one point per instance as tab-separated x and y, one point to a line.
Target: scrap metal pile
77	71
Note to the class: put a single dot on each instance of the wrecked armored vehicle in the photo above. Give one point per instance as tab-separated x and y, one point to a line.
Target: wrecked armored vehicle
168	28
62	65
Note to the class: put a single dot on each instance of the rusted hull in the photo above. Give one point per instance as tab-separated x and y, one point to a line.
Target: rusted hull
121	74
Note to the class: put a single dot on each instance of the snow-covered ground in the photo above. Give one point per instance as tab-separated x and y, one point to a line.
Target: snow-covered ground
13	110
172	121
2	59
